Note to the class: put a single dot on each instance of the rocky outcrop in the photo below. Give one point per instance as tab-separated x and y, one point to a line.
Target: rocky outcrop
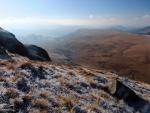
131	98
35	52
9	42
39	87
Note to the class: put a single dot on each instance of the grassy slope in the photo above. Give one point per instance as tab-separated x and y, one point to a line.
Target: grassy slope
125	53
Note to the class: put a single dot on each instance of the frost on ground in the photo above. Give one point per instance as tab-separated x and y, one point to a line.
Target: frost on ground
38	87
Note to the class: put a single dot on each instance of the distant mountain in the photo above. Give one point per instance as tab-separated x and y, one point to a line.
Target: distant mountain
142	31
145	30
120	28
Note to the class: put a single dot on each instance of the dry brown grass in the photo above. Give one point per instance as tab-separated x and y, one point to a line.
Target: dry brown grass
62	81
70	73
34	111
17	76
27	97
124	53
86	72
40	103
26	64
104	95
44	111
2	79
67	101
17	102
12	93
45	94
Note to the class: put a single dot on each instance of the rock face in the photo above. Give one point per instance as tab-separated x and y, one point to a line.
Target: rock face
35	53
9	42
39	87
131	98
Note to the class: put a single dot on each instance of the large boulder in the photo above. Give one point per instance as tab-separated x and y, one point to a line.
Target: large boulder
9	42
37	53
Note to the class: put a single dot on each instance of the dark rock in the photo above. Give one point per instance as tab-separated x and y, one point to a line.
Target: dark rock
37	53
131	98
77	109
9	42
22	85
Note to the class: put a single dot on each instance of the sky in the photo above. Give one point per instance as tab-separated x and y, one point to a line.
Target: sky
25	13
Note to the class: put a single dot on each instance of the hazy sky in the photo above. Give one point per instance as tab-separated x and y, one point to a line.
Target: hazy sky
74	12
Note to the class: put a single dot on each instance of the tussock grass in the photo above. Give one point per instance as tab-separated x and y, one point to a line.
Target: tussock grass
40	103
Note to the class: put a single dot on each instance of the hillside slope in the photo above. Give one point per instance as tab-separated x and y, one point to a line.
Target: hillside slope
121	52
40	87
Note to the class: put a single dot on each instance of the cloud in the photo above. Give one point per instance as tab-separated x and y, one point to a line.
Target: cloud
91	16
147	16
143	20
90	21
48	21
